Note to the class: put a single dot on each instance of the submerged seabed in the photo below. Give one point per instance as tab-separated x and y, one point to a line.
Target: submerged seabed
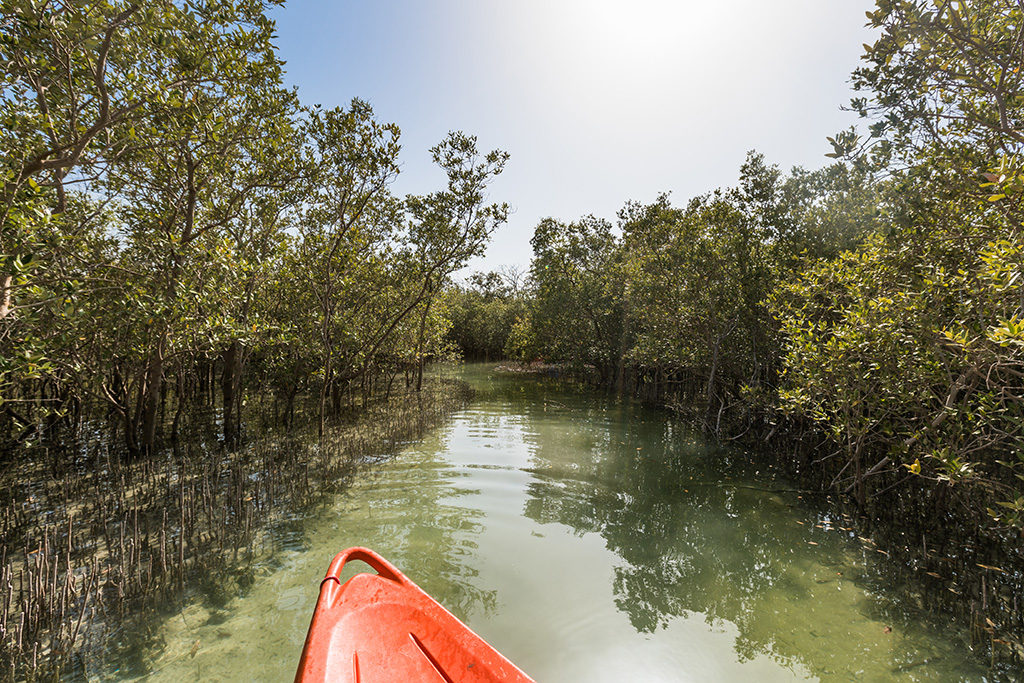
588	541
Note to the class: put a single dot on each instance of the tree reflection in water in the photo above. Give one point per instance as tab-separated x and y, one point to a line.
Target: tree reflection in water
701	534
592	540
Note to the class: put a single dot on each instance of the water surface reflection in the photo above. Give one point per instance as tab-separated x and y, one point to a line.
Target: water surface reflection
590	541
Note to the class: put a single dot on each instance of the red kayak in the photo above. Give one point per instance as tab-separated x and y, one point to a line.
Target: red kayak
382	627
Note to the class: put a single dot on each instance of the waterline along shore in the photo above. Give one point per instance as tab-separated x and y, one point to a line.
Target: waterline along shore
90	551
218	301
593	539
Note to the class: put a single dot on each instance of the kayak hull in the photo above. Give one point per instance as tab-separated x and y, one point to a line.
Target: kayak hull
381	628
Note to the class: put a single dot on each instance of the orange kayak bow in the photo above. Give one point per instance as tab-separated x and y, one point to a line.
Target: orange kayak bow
382	627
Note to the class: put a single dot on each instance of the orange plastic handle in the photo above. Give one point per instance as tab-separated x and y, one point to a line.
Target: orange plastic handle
332	582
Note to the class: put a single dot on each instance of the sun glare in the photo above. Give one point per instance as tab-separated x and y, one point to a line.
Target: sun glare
638	27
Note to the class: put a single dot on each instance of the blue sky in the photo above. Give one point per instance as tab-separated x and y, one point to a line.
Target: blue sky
597	101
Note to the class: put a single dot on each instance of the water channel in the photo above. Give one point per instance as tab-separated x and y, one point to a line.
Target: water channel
589	540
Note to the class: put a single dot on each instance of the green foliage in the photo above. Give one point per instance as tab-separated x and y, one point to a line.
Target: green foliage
879	298
944	75
483	313
576	312
171	211
687	281
680	296
907	350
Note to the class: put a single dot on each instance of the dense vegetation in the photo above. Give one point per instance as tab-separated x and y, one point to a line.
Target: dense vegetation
880	298
865	321
483	311
174	219
181	237
176	223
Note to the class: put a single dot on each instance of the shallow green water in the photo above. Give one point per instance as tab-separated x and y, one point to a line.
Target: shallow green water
589	541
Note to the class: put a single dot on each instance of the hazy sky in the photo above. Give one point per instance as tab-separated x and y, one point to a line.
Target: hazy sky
597	101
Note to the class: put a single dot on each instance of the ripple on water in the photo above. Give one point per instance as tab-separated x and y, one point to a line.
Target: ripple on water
588	541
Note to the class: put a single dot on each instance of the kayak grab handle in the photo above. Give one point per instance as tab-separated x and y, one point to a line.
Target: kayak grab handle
383	627
332	582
